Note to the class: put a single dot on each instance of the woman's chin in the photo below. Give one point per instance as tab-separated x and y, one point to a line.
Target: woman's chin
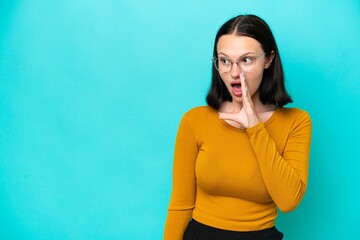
237	99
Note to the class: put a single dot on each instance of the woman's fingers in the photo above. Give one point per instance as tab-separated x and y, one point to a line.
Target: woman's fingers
228	116
245	90
248	104
243	83
240	117
247	101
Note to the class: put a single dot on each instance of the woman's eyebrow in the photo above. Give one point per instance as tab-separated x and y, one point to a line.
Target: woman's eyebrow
238	57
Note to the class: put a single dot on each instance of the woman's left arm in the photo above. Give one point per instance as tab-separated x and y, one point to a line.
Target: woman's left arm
285	175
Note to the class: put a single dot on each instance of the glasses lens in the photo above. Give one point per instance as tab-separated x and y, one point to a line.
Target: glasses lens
248	63
223	65
216	63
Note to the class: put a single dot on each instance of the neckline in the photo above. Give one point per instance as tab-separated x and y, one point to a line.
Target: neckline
267	122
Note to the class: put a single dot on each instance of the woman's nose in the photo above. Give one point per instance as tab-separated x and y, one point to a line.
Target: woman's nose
235	70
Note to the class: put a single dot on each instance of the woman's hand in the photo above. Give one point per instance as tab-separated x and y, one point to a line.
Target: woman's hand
247	117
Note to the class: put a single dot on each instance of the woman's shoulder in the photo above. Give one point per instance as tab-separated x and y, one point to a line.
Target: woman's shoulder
200	113
293	111
200	110
293	114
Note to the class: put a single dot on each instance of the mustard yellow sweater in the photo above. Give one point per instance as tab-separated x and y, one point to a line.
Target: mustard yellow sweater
236	179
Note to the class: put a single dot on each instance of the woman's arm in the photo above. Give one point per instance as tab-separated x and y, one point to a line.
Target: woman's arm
183	187
285	175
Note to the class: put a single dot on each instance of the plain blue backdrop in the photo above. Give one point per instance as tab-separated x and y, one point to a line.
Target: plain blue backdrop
92	92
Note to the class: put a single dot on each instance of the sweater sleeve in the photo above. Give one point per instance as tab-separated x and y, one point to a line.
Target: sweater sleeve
183	187
285	175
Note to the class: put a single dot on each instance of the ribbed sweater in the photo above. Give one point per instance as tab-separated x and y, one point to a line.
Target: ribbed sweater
235	179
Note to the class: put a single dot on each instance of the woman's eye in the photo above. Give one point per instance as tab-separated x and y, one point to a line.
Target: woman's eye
248	59
224	61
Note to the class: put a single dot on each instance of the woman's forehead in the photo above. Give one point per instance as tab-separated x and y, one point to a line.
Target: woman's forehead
238	45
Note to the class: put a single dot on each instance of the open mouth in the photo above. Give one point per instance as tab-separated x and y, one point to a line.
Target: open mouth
236	89
236	85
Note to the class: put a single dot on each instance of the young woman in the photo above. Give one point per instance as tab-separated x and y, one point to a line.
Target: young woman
245	155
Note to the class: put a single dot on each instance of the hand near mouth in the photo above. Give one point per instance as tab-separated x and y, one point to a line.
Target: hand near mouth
247	117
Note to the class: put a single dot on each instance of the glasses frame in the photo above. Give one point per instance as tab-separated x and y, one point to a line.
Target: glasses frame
215	59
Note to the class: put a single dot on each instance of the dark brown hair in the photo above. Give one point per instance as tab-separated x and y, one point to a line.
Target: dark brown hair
272	87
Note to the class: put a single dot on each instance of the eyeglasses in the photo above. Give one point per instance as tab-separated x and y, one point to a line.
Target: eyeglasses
246	63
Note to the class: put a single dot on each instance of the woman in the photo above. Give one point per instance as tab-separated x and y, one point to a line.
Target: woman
245	155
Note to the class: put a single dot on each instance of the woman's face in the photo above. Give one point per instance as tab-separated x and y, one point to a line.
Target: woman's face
235	48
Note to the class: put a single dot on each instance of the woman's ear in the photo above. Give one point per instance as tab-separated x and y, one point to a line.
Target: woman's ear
269	59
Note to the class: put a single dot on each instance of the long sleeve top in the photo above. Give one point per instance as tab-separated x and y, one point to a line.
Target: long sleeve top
235	179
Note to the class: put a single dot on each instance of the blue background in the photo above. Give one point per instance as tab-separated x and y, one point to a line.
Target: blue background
92	92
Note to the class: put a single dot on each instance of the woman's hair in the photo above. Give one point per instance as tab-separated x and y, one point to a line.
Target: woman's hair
272	87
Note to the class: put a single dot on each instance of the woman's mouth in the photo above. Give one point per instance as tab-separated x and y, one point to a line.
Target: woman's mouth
236	89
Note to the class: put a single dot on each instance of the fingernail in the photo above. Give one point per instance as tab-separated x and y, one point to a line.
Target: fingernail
243	75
